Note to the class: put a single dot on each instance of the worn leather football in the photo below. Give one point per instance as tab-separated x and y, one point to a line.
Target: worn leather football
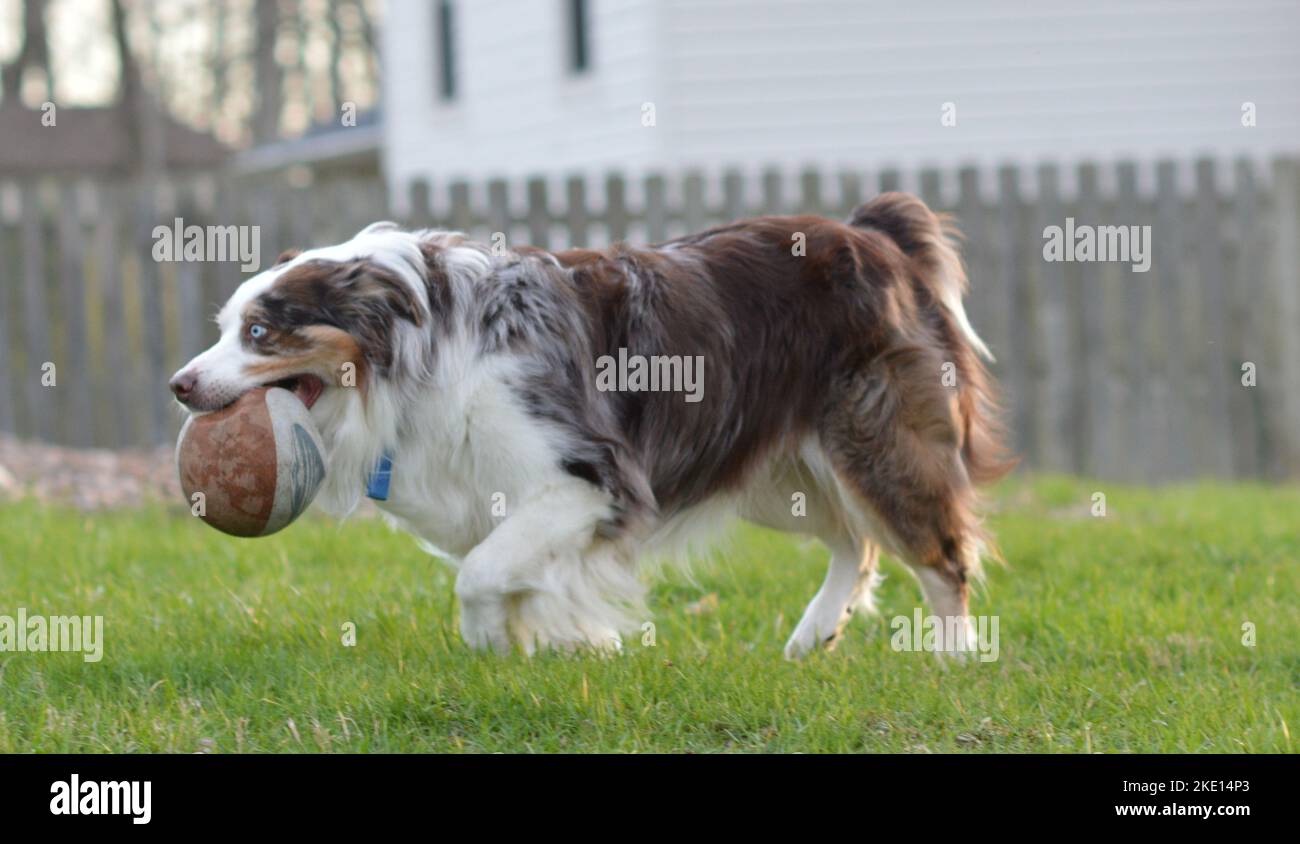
257	463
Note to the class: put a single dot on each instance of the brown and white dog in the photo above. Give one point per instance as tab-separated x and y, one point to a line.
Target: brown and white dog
842	397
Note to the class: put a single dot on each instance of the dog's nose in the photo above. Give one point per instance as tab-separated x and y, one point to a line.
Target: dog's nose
183	384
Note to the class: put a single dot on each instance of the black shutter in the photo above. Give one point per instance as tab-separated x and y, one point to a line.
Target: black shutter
446	51
579	37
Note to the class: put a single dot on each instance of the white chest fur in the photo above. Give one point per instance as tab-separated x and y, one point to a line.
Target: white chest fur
467	457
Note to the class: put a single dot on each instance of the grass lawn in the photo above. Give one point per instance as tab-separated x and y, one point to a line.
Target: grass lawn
1117	634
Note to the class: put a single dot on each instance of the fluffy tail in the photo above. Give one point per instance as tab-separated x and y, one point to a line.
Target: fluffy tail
928	239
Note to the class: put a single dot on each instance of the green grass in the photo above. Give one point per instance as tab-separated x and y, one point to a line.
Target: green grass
1118	634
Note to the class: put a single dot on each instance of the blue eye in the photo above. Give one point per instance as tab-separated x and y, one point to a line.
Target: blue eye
257	332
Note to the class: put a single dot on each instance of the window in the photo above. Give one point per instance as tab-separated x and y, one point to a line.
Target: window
446	51
579	37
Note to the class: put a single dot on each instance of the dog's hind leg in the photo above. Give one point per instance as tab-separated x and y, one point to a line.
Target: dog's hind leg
851	577
848	586
895	442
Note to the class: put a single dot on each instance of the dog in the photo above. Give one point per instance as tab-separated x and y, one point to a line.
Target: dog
842	396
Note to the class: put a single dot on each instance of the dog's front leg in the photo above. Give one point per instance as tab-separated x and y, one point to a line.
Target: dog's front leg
558	519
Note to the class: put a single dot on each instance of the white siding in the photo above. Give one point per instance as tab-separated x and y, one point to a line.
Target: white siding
843	83
864	82
519	110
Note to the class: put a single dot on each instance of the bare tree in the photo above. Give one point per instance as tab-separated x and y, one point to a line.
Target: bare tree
236	83
336	58
268	73
34	51
369	39
130	89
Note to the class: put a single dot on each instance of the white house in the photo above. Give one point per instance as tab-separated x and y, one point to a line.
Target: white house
483	88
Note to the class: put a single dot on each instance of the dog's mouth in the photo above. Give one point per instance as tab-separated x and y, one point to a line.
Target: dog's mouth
307	388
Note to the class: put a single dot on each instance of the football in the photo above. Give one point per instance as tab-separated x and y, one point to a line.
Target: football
252	467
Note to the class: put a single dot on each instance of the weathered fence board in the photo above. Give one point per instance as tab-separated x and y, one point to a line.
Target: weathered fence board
188	302
75	374
1058	422
1093	391
36	313
8	339
1019	361
575	192
1168	267
1217	386
1135	313
616	220
152	369
113	394
1245	249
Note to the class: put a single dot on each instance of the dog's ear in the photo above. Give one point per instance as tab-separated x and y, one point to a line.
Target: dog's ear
369	287
367	301
287	255
359	297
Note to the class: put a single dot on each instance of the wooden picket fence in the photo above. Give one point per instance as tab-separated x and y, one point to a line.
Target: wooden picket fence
1190	369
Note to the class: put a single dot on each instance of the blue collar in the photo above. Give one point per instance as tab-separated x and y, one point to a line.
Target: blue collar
377	485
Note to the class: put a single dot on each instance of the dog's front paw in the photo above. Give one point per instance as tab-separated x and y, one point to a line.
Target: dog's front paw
802	643
542	621
809	636
483	626
957	641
